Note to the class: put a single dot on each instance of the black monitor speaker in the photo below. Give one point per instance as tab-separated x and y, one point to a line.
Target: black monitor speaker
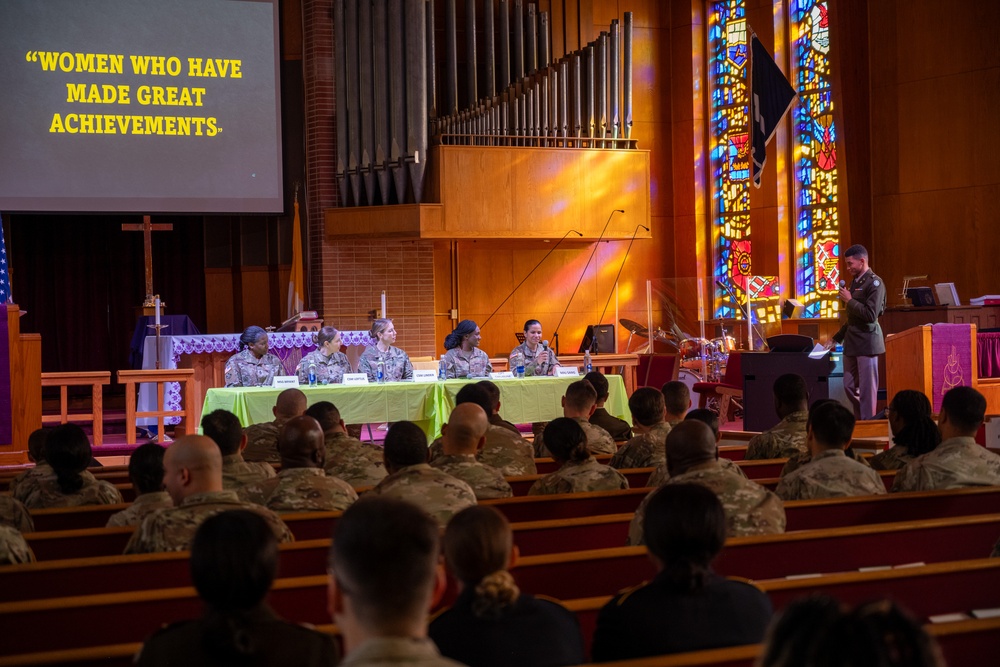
605	339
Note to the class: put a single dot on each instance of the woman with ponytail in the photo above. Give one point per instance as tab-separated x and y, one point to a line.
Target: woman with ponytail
913	430
234	558
252	365
67	450
492	623
687	606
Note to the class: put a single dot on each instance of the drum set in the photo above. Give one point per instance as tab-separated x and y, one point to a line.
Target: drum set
701	359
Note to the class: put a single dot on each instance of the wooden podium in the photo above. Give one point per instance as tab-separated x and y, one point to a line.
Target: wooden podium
909	364
24	354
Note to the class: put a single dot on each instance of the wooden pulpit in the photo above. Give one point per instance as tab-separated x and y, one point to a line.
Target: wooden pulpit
931	359
23	354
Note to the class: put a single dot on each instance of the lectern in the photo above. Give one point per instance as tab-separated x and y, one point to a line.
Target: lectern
761	369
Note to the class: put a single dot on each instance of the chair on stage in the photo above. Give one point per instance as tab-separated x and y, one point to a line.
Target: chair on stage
728	392
655	370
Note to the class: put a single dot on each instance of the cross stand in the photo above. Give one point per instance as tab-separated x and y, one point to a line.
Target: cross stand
147	229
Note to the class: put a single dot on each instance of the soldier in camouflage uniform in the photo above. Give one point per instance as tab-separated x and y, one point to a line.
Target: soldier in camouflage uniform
787	437
224	428
913	430
22	485
396	364
692	459
253	365
262	439
830	473
959	461
618	428
495	419
463	357
69	453
193	477
411	479
579	471
538	360
15	515
302	485
360	464
676	401
796	461
327	361
13	547
461	437
645	450
660	474
579	403
145	470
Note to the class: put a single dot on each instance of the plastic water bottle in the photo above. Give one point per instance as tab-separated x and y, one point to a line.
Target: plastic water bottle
312	375
588	364
380	372
519	369
442	369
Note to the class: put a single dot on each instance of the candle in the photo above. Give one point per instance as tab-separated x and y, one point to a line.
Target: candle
383	304
157	311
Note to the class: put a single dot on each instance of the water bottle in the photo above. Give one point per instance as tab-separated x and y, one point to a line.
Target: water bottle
519	368
442	369
312	375
380	372
588	364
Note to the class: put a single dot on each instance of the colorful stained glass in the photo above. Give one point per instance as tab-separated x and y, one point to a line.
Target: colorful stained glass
817	227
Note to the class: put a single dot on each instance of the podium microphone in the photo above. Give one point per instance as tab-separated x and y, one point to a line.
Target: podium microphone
593	344
843	284
572	231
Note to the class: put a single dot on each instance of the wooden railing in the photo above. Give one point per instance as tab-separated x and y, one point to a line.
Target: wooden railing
95	380
159	377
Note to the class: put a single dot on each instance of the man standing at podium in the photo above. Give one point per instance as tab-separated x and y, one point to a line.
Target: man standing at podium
861	334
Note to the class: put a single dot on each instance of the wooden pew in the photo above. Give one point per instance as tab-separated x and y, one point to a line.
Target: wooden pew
565	505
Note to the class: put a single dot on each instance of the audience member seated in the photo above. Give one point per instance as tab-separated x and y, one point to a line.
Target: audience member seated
252	365
818	631
495	419
913	430
302	485
686	607
829	473
327	361
13	513
692	457
578	404
506	451
796	461
412	479
492	624
461	438
959	460
463	357
145	471
676	401
13	547
578	469
618	428
645	449
67	450
26	482
358	463
192	475
660	474
234	559
262	439
225	429
787	437
385	574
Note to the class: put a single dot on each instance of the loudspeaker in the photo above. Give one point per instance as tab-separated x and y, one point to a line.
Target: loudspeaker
605	334
792	309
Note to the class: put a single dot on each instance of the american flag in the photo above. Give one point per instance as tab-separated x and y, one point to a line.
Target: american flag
4	277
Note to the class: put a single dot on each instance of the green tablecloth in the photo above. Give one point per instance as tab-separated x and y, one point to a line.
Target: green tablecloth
428	404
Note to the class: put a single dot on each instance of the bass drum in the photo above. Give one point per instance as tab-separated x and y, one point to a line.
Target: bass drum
689	377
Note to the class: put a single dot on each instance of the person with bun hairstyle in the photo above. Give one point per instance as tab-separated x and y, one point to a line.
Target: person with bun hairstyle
538	359
67	449
913	430
253	365
492	624
578	469
464	358
329	362
395	363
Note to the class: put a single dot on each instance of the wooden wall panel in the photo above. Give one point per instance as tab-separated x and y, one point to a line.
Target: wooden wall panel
219	301
256	297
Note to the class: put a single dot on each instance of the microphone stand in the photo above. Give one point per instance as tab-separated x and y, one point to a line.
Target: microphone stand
555	335
593	343
743	310
572	231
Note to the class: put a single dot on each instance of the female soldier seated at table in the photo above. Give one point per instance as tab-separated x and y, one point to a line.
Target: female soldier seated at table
253	365
538	360
464	358
329	363
396	364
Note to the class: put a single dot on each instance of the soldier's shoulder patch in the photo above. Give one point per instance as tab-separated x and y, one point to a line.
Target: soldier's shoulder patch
877	282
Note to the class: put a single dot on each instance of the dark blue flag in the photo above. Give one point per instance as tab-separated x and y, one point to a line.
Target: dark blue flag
4	277
770	97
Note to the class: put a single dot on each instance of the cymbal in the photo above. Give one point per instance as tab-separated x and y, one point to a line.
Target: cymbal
634	327
665	337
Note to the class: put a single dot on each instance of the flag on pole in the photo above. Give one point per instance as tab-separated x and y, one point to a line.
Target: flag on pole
770	98
5	291
297	280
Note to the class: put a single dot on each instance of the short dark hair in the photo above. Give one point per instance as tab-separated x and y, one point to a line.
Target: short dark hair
966	408
493	392
856	250
685	528
527	324
647	406
790	389
676	397
581	394
474	393
234	558
566	439
832	424
600	383
705	415
384	555
326	413
145	468
36	444
224	428
68	451
405	445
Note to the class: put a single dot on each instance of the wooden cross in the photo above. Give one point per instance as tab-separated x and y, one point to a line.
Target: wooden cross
147	230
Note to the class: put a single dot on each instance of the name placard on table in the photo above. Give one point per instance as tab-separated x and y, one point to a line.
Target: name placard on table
567	371
502	375
424	375
355	378
285	381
